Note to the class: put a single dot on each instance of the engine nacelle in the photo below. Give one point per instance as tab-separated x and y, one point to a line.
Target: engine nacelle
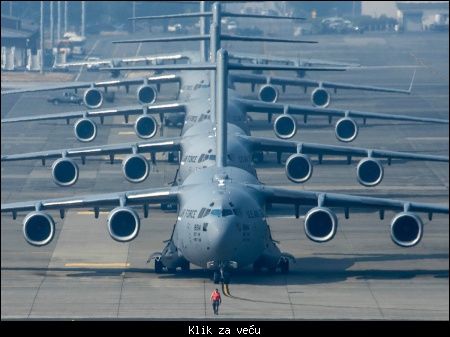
85	130
135	168
320	97
299	168
346	130
65	172
268	93
38	228
285	126
146	94
93	98
406	229
321	224
146	126
123	224
370	172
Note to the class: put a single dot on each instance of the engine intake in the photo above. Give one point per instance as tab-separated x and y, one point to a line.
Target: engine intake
38	228
370	172
123	224
146	127
321	224
65	172
285	126
406	229
320	97
135	168
346	130
146	94
299	168
93	98
85	130
268	93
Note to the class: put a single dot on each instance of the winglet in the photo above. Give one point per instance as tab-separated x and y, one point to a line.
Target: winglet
412	81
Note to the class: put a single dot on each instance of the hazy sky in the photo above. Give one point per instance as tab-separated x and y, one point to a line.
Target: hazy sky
378	8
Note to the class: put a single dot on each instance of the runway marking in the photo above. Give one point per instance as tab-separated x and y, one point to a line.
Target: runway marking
97	265
126	133
228	294
422	63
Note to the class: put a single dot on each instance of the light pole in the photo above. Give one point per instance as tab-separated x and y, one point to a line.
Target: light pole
42	38
83	15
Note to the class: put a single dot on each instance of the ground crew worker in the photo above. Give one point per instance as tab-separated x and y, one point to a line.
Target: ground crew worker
216	301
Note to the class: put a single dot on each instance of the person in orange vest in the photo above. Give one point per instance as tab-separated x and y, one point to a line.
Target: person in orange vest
216	300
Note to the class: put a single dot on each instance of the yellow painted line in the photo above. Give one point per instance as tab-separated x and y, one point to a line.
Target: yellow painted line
96	265
127	133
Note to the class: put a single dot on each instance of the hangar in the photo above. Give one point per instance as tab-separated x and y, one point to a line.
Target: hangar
414	16
19	42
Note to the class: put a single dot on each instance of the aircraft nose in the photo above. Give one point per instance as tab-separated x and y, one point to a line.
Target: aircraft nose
222	239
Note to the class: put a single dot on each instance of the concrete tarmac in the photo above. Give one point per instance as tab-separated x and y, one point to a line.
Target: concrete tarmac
361	275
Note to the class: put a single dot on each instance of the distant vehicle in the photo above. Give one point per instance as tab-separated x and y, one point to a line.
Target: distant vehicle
67	98
339	26
177	28
93	64
232	25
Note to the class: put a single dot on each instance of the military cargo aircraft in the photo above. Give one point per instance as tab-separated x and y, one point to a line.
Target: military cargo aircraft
221	223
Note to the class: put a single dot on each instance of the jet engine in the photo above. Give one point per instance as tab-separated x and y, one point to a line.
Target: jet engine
93	98
406	229
285	126
85	130
38	228
299	168
65	172
146	94
135	168
320	97
123	224
146	126
268	93
321	224
346	130
370	172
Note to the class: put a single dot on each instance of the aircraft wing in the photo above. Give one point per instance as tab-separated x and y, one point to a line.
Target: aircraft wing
306	83
154	145
129	59
140	197
122	111
285	60
280	108
287	146
311	198
164	78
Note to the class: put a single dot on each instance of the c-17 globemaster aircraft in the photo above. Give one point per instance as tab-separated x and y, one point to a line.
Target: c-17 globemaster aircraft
146	92
196	145
221	223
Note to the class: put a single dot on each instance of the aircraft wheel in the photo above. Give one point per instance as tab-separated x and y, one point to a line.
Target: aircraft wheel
171	270
226	278
185	267
171	157
256	268
271	270
284	266
158	267
216	277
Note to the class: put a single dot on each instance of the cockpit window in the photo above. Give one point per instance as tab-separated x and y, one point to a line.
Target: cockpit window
221	212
